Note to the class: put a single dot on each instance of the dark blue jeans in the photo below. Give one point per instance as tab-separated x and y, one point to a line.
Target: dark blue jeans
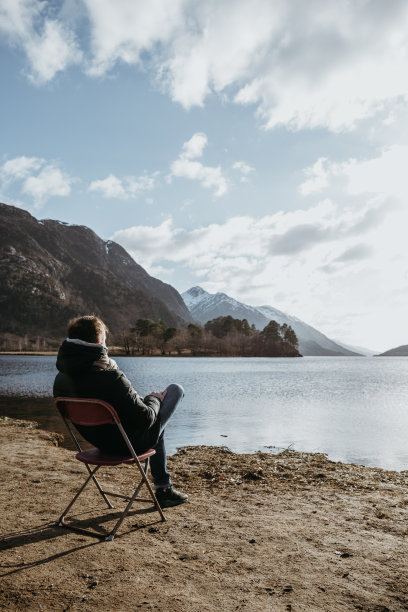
158	463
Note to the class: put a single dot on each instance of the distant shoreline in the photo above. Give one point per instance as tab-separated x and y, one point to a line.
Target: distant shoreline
115	354
39	353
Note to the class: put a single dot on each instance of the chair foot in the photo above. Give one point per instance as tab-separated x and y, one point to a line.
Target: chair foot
109	538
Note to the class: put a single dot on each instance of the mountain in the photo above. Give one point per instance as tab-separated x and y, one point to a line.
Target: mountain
51	271
361	350
399	351
205	306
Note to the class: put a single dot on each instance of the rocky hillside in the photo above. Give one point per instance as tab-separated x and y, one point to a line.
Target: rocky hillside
205	306
51	271
399	351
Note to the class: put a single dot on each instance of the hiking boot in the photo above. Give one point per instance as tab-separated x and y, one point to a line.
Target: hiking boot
170	497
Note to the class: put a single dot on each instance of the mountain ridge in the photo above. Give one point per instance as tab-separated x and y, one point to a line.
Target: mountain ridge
205	306
398	351
51	271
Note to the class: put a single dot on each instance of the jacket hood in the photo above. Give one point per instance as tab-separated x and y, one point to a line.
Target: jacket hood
76	359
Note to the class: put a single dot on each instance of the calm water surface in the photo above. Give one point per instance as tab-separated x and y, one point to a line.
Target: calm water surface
352	408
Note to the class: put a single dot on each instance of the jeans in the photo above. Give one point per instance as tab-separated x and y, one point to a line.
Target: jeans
158	462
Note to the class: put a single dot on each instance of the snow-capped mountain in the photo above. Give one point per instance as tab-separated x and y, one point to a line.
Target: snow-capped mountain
205	306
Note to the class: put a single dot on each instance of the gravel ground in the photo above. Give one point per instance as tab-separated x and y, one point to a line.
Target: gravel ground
265	532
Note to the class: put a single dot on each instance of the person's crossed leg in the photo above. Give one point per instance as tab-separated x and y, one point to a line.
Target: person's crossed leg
166	494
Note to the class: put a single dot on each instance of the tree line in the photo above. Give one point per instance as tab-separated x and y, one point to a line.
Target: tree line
223	336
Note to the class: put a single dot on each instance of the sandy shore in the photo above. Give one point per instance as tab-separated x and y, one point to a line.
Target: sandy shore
260	532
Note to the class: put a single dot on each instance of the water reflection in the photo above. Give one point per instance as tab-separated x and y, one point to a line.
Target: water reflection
354	409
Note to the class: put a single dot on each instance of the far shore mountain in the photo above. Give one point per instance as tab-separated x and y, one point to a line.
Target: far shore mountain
361	350
51	271
399	351
205	306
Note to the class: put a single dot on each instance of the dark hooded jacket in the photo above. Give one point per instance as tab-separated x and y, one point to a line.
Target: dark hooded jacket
87	371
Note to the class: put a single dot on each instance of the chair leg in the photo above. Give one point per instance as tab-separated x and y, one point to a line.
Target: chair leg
91	476
124	514
78	446
98	486
149	486
110	537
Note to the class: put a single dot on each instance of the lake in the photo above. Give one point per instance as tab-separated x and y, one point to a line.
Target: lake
352	408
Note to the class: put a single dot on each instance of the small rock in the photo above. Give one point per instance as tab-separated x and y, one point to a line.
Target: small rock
251	476
288	589
252	541
209	475
93	584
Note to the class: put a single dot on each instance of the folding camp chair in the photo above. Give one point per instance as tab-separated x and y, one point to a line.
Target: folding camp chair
94	412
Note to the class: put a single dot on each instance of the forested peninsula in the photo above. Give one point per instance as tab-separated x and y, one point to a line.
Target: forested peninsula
220	337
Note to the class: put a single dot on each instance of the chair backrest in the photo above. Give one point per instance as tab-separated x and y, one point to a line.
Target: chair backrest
84	411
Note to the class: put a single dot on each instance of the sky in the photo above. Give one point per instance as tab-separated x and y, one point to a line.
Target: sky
253	147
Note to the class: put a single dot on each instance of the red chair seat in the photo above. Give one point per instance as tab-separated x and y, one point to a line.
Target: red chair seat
94	456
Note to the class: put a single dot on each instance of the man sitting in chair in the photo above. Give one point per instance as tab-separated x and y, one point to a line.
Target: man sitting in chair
85	370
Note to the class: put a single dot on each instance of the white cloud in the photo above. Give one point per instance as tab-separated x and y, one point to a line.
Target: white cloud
36	177
20	167
186	166
121	30
208	176
317	178
244	169
49	182
52	52
17	16
301	64
50	46
325	263
371	275
195	146
111	187
282	234
384	175
123	189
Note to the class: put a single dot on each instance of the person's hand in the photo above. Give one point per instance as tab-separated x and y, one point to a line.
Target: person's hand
159	394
